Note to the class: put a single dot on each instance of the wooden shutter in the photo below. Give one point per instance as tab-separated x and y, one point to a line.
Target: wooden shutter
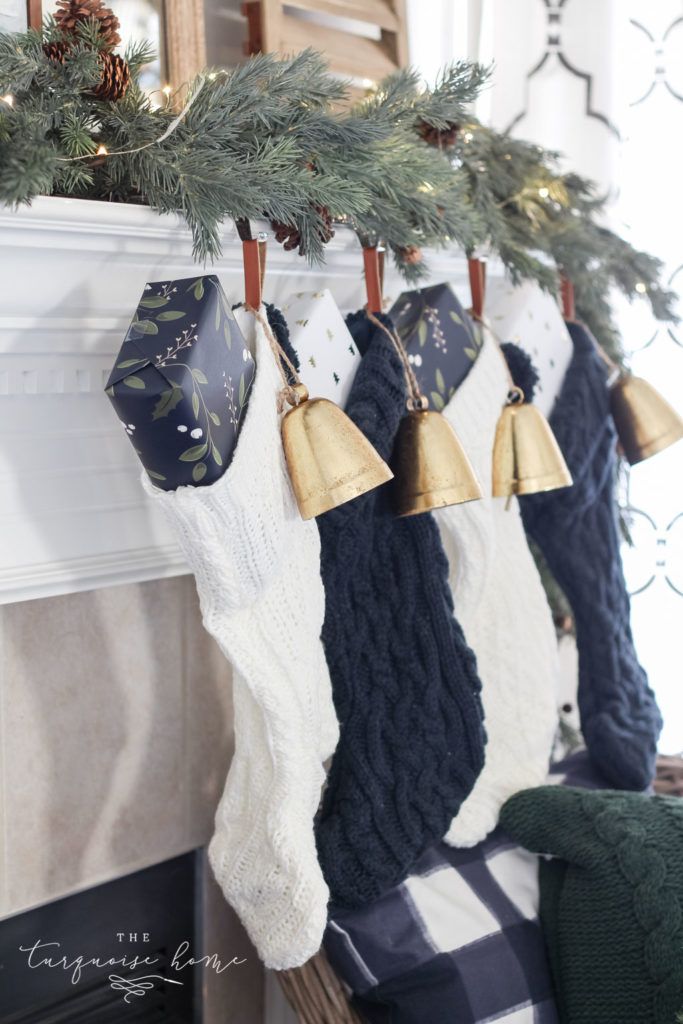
273	27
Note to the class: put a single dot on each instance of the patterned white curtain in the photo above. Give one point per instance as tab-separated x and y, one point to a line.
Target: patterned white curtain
602	81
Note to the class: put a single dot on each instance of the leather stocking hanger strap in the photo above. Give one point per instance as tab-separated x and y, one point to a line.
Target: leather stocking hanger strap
252	273
477	273
254	259
568	300
373	263
254	262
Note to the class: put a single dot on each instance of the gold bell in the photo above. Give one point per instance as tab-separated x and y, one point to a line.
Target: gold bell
526	457
328	458
430	466
645	422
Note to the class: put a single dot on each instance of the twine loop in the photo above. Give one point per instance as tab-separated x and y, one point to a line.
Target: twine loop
416	401
293	393
515	394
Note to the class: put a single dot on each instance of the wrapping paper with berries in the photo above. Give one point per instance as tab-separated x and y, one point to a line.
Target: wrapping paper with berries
327	353
181	382
441	340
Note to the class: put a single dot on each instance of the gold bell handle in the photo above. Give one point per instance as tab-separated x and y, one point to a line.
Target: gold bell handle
515	394
297	394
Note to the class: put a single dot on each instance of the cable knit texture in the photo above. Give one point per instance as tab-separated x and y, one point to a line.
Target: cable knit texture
576	529
404	680
257	568
612	903
501	604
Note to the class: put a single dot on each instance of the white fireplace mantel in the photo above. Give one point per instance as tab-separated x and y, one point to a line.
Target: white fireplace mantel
74	516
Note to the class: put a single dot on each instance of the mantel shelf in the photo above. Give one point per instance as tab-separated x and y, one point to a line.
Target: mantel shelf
74	514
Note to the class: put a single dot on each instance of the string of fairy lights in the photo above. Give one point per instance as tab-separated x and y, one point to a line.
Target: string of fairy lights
102	151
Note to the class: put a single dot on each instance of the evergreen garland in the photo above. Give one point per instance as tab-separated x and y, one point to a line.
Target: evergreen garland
416	197
538	220
407	167
241	151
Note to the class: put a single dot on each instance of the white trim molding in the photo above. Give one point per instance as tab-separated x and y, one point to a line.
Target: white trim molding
73	515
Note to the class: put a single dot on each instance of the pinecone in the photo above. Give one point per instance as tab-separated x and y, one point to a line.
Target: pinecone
289	237
70	12
327	231
55	52
410	254
115	78
443	138
286	234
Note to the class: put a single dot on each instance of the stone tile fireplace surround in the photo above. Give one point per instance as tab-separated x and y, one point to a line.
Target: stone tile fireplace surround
116	739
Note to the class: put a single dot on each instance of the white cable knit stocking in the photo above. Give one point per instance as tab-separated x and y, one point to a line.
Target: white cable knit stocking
257	569
501	605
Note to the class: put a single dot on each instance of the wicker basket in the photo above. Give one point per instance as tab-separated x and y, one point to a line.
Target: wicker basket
315	993
669	778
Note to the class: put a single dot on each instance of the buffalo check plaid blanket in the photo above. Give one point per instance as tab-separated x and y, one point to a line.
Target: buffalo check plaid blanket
459	941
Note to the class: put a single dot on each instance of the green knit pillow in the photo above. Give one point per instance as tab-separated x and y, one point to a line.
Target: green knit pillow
611	899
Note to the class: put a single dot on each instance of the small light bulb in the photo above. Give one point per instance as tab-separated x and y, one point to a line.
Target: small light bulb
102	150
641	287
167	90
8	98
213	76
367	83
544	192
468	136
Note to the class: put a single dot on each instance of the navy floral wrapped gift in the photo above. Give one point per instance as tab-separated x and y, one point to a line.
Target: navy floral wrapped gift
441	339
181	382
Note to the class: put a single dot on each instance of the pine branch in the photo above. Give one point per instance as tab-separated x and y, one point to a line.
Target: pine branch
416	198
76	133
457	87
138	54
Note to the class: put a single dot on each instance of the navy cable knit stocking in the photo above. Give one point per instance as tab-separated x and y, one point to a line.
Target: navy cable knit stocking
576	529
404	680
